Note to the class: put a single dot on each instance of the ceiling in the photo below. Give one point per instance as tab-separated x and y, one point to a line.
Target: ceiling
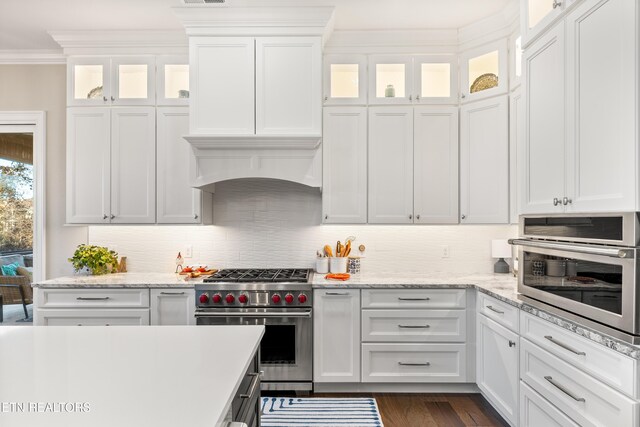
24	23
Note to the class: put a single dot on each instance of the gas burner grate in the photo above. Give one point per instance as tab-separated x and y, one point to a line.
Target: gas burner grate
265	275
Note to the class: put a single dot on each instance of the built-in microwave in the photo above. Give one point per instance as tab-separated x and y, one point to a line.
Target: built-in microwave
585	264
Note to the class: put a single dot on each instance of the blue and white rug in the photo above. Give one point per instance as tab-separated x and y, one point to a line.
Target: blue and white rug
319	412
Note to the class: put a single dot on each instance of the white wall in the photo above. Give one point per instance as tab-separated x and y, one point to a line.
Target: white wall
43	88
264	223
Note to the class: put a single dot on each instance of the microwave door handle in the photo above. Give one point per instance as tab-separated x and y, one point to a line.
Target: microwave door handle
583	249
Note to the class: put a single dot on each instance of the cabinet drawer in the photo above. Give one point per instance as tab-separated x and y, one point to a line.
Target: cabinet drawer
109	317
583	398
503	313
413	325
413	298
611	367
414	363
93	298
537	412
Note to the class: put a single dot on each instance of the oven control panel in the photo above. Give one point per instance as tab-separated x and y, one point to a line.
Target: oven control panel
240	298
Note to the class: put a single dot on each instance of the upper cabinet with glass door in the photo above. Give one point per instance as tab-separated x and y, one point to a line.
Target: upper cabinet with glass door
537	15
390	79
111	81
172	83
515	61
345	80
483	71
435	79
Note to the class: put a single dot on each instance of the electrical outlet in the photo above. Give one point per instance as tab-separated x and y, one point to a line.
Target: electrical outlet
188	252
446	251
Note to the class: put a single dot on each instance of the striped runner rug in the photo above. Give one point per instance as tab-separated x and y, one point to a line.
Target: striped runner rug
319	412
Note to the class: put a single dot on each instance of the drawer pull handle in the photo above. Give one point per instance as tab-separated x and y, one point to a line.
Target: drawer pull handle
336	293
254	385
512	343
414	299
564	390
171	293
414	364
92	298
414	326
490	307
565	346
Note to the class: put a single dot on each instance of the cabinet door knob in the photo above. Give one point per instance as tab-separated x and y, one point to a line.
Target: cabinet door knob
418	216
113	98
566	201
463	216
105	98
326	98
463	96
105	216
326	217
556	201
557	4
512	343
410	98
195	216
417	97
112	216
410	216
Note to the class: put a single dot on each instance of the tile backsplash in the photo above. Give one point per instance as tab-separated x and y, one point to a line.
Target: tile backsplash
268	223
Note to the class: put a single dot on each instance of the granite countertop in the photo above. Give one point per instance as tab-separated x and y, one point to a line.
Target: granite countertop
152	376
121	280
500	286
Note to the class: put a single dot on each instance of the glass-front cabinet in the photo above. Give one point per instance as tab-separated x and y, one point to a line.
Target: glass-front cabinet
391	79
435	79
111	81
515	61
345	80
483	71
172	83
536	15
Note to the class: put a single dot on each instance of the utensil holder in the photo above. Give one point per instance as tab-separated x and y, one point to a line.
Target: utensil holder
353	265
338	265
322	265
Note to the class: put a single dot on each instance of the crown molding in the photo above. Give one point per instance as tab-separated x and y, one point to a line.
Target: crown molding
29	56
204	20
393	41
490	29
119	42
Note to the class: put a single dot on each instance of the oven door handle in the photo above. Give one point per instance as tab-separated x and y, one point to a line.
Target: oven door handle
583	249
201	313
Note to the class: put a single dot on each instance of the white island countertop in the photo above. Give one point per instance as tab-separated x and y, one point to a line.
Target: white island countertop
156	376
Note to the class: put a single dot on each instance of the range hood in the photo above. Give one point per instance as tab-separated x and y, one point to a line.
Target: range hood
245	120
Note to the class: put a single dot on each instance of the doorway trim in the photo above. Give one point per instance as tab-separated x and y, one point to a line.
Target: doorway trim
37	119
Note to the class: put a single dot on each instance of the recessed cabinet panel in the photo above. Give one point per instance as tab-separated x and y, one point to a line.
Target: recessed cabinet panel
178	203
288	86
484	162
344	147
88	165
543	154
133	165
391	165
435	165
602	48
222	85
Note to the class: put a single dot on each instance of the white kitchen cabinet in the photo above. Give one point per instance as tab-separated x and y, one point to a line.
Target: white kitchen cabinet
88	171
345	80
516	145
602	115
543	158
336	335
484	71
172	307
435	79
222	80
178	202
111	165
133	165
344	149
92	317
288	86
497	366
535	411
125	80
484	162
172	82
435	165
537	15
391	165
390	79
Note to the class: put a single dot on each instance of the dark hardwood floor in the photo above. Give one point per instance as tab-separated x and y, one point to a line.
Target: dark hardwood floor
431	410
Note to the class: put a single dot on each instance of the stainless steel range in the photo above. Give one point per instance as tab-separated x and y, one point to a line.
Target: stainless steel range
279	299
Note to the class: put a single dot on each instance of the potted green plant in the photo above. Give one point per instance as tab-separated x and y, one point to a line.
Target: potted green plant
96	259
